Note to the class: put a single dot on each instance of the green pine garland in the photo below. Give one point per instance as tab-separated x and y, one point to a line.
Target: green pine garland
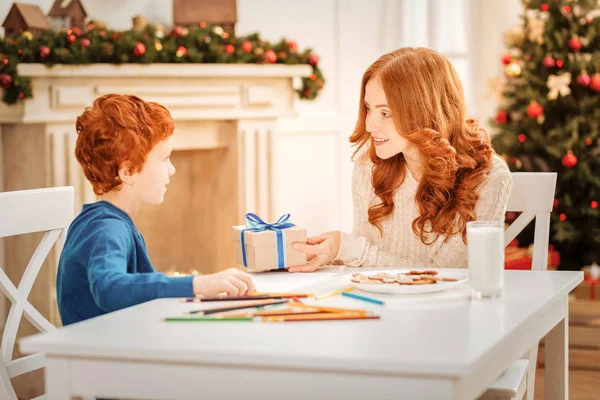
203	44
557	37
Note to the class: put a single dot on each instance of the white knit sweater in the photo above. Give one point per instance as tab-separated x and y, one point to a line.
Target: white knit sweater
399	246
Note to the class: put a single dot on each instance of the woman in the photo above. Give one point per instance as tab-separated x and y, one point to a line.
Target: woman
421	172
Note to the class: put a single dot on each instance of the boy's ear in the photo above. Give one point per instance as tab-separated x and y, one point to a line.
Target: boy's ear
126	173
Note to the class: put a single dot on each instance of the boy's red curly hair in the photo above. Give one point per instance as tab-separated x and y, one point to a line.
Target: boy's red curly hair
118	128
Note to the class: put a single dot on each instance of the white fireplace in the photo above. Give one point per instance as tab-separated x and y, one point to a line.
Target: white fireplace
224	116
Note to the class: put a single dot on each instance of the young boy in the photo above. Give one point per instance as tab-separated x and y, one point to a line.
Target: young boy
123	146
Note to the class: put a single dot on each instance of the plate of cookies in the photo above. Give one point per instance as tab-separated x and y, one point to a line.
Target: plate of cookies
408	281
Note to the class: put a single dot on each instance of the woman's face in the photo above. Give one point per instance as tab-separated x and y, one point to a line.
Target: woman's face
379	123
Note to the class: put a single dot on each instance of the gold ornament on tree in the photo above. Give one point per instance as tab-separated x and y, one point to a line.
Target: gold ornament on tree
513	69
559	84
28	35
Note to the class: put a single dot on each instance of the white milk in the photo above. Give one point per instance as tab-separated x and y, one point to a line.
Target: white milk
485	242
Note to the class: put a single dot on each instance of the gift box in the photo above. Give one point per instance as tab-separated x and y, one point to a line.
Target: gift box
520	258
261	246
590	287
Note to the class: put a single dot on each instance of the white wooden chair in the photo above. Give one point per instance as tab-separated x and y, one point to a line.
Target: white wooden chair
533	195
28	211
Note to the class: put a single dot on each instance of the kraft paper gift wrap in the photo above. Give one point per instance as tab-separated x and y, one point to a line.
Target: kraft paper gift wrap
261	246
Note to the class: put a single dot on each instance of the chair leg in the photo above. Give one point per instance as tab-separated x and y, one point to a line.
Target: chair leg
533	354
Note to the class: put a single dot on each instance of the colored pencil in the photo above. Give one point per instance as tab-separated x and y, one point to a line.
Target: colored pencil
363	298
253	304
270	313
334	293
326	309
277	296
198	319
319	317
284	295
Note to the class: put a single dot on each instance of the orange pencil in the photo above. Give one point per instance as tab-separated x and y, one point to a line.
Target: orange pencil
319	317
326	309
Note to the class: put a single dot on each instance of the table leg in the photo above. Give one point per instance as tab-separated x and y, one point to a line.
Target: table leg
557	359
58	376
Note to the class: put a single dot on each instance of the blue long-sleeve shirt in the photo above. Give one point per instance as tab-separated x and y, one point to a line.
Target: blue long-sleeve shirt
104	267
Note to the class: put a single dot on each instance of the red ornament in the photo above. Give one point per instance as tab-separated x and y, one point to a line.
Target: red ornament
583	79
545	7
567	9
562	217
522	137
595	82
181	51
534	110
594	204
312	77
313	59
229	49
306	93
102	33
282	55
506	59
177	31
139	49
116	35
569	160
71	38
501	117
85	43
6	80
44	52
270	56
21	95
548	62
559	63
293	46
246	46
588	141
555	204
575	44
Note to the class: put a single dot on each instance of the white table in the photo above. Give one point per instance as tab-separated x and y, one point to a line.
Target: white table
440	346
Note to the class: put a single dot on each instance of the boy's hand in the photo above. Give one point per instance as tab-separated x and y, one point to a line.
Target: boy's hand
231	281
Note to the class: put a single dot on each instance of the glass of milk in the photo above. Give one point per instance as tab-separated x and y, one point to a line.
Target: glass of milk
485	243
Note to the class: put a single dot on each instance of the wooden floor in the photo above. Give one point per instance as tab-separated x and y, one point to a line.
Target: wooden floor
583	385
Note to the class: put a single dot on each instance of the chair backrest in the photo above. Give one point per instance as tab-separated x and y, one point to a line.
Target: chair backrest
28	211
533	195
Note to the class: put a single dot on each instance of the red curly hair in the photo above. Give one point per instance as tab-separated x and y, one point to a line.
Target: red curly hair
118	128
428	109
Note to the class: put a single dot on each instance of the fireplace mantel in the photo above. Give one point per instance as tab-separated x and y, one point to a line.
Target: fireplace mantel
224	116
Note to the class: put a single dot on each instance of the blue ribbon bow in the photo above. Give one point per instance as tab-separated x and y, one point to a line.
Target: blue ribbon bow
255	224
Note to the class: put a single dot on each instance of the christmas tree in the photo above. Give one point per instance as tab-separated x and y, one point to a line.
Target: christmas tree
548	116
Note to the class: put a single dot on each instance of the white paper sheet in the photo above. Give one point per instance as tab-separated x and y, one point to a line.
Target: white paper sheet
281	282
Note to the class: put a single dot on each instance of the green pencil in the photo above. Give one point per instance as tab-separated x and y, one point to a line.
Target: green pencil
197	319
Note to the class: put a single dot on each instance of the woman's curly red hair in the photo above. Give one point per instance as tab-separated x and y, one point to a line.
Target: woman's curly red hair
428	109
118	128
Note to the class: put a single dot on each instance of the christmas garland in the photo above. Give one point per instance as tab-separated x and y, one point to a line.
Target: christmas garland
202	44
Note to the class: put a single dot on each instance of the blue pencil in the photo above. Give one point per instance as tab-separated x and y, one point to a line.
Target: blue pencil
364	298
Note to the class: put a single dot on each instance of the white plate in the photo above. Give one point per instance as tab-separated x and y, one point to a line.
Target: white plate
393	288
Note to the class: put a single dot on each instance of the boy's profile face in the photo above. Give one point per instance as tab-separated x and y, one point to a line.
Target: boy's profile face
150	183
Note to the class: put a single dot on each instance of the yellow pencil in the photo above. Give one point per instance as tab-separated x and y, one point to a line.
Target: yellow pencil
334	293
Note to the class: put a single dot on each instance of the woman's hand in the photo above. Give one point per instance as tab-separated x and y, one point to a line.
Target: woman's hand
231	281
320	249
